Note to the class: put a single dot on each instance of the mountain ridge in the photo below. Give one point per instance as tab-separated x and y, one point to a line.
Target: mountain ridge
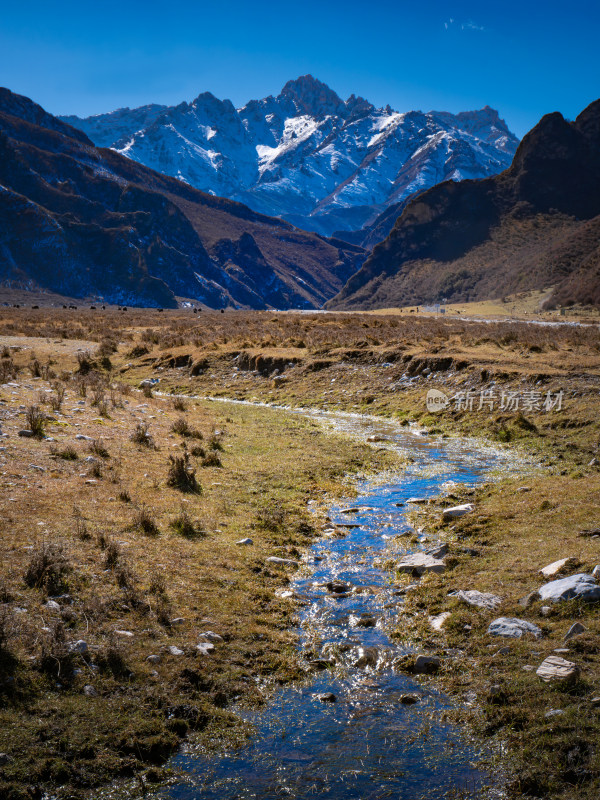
87	222
533	225
318	161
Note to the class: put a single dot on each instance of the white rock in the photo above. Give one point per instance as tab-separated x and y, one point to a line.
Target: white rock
174	651
283	562
596	571
437	622
580	586
417	500
480	599
456	511
52	605
81	438
89	691
555	712
153	659
245	541
513	627
555	668
205	648
126	634
212	637
78	647
420	562
556	566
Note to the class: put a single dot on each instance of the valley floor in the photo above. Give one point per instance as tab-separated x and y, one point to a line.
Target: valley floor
135	567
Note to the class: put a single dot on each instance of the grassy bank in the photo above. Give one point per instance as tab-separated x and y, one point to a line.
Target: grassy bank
382	365
131	535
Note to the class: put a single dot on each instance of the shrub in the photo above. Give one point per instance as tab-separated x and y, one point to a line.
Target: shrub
68	453
144	519
85	363
147	391
212	459
56	399
181	475
35	420
48	569
124	496
179	404
141	435
185	526
182	427
98	448
214	441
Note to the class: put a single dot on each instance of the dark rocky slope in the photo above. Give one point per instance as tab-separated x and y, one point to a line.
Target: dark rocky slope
87	222
533	226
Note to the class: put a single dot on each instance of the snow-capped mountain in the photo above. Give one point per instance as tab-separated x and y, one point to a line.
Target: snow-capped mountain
306	155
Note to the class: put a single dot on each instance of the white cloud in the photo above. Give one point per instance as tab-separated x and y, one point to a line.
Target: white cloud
469	25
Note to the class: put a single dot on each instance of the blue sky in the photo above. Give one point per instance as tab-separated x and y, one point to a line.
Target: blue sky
523	58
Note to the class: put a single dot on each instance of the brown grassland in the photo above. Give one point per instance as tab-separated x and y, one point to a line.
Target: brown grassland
134	530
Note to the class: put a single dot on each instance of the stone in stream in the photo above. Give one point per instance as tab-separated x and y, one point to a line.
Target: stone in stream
426	665
575	630
513	628
376	437
282	562
367	657
364	621
579	587
555	668
553	569
338	587
419	563
418	500
456	511
353	510
326	697
479	599
409	699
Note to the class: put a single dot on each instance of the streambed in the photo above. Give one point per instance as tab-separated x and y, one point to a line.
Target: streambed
369	743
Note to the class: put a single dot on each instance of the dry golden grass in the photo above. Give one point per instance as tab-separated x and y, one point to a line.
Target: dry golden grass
144	558
129	575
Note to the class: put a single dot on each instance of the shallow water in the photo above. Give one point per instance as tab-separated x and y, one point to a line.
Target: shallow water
367	745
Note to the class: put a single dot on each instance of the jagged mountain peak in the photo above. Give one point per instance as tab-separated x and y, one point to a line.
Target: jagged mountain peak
312	96
308	156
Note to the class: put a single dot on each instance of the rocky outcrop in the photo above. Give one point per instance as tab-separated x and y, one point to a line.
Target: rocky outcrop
533	226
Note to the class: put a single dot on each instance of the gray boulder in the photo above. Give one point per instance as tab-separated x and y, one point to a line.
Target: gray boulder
580	587
513	628
419	563
479	599
555	668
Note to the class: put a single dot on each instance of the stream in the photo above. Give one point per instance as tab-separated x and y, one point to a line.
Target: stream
370	743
